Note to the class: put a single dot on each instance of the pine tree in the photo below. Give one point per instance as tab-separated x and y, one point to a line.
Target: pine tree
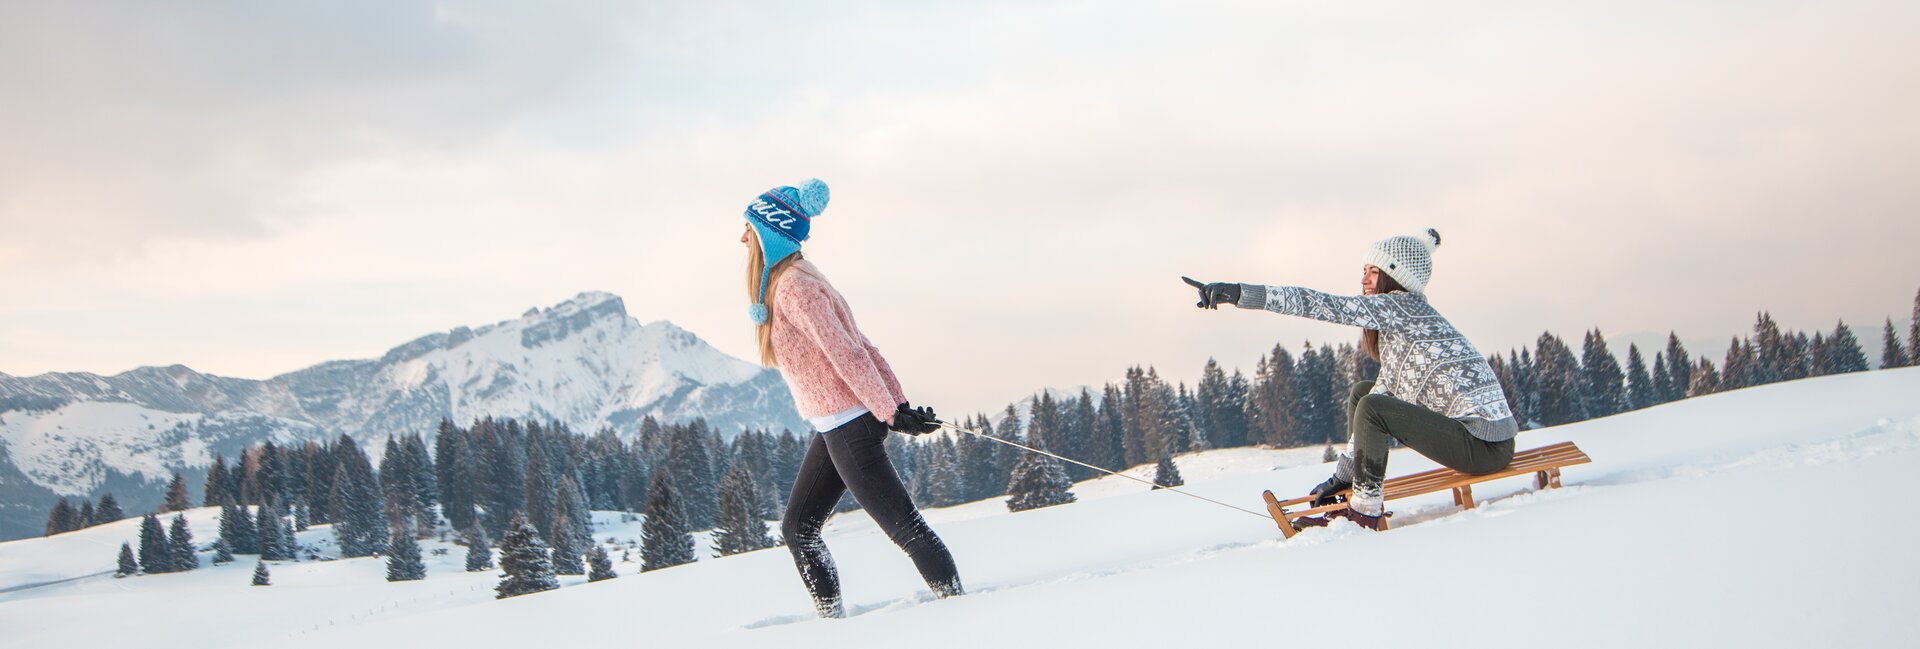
61	519
1794	363
666	538
403	555
108	511
1561	388
523	561
1640	389
1679	369
1662	380
1271	409
128	565
1845	350
222	553
599	564
1526	382
1893	354
1770	362
360	523
177	500
456	494
539	491
566	546
1738	372
426	493
1821	361
1104	448
1605	385
479	553
260	575
1165	474
180	546
569	502
691	468
84	518
238	530
947	485
1037	482
275	543
214	494
1913	334
1705	380
741	529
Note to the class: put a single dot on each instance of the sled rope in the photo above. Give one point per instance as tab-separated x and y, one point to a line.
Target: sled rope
1111	473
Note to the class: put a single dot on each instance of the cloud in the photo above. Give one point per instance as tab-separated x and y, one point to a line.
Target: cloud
127	122
1018	186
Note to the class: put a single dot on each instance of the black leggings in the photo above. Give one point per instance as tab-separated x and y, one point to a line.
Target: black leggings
854	457
1376	419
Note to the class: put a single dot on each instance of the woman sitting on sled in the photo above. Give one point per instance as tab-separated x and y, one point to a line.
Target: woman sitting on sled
1436	394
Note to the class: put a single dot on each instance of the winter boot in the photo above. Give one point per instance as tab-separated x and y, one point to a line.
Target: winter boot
1375	523
829	609
1328	493
945	589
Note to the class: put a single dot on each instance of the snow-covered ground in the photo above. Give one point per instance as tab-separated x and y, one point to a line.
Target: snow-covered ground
1773	517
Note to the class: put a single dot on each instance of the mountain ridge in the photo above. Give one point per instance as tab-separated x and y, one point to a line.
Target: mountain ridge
585	362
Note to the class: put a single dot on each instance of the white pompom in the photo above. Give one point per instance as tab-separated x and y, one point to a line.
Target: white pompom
1433	237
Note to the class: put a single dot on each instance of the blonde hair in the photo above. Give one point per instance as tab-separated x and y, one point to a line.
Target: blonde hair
756	262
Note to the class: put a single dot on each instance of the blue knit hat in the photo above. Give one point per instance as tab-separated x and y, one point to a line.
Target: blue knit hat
783	217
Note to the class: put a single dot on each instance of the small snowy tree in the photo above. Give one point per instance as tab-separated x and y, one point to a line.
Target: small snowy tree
1165	474
566	554
479	552
260	576
180	545
601	566
128	565
155	555
108	511
666	538
63	519
177	500
275	544
741	528
1038	481
1845	350
1892	354
403	555
222	554
524	561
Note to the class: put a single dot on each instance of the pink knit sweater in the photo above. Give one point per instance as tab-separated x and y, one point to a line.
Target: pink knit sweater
829	365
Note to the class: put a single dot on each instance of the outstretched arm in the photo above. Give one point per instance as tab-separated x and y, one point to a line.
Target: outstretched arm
1384	312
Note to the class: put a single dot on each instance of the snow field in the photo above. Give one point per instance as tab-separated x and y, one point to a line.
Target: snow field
1766	517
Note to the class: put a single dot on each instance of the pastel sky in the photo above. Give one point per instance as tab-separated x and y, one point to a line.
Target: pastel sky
251	188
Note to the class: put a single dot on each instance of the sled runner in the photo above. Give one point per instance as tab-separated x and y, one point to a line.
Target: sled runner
1544	463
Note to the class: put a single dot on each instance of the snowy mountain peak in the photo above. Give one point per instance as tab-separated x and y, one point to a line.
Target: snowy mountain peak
583	362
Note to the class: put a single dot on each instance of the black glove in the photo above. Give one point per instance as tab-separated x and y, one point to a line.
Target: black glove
914	421
1328	493
1212	295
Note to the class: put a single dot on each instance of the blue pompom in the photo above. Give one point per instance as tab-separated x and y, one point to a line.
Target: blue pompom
758	313
814	197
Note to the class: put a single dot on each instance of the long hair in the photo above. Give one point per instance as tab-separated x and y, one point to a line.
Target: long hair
1370	339
756	262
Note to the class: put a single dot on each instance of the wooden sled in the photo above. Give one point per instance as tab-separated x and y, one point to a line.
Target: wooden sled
1544	463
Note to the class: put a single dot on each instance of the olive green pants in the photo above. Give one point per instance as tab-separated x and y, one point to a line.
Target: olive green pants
1374	419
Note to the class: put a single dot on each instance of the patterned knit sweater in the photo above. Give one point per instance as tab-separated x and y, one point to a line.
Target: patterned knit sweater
829	365
1423	359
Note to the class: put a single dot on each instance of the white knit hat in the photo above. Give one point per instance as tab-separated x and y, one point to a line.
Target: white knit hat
1407	259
